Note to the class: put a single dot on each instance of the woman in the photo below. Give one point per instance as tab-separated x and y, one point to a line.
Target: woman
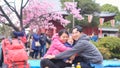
57	46
35	44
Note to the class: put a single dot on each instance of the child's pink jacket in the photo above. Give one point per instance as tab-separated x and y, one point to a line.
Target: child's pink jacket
56	47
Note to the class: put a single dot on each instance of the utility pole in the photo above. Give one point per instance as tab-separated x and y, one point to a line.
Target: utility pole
73	18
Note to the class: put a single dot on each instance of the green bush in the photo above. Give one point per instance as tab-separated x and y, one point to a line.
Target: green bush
104	51
109	47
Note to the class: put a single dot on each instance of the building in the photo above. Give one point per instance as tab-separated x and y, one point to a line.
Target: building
113	32
107	31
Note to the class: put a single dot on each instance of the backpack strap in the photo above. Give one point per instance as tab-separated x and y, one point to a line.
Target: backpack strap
19	40
14	65
10	40
25	64
0	51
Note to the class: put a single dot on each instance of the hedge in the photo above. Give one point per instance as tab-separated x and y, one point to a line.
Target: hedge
109	47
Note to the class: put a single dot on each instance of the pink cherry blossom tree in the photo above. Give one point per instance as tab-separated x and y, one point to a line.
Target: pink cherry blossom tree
35	14
41	14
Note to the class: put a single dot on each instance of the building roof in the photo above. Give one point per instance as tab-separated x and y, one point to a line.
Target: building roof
106	14
109	29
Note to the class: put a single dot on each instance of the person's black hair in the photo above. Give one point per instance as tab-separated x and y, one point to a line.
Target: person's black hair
42	33
105	35
13	35
79	28
63	31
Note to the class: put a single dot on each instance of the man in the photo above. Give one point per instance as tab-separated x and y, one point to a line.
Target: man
87	54
43	41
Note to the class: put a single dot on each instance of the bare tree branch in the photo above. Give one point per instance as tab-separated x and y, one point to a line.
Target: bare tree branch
21	14
27	25
22	7
8	19
21	22
13	9
6	24
14	4
25	4
2	15
9	5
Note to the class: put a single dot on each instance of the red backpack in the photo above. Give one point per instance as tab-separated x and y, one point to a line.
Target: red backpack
23	39
14	54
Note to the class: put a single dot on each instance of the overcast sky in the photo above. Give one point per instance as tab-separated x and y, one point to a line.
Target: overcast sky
113	2
101	2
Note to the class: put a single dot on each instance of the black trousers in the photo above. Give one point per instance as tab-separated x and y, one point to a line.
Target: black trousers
53	63
35	54
83	63
1	59
59	63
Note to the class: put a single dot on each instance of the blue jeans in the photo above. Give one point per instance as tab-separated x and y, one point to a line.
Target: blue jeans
42	50
97	65
35	54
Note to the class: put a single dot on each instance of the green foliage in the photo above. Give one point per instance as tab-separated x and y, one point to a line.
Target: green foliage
2	30
109	8
84	22
109	47
70	18
106	24
62	1
5	30
87	7
104	51
117	17
113	44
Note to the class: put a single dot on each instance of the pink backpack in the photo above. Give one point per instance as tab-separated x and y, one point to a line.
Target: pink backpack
14	54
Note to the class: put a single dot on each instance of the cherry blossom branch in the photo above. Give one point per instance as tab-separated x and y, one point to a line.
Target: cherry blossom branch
71	7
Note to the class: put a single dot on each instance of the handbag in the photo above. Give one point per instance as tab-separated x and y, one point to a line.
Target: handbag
37	43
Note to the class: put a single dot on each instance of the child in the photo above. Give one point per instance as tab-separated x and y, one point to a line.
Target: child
58	43
69	43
